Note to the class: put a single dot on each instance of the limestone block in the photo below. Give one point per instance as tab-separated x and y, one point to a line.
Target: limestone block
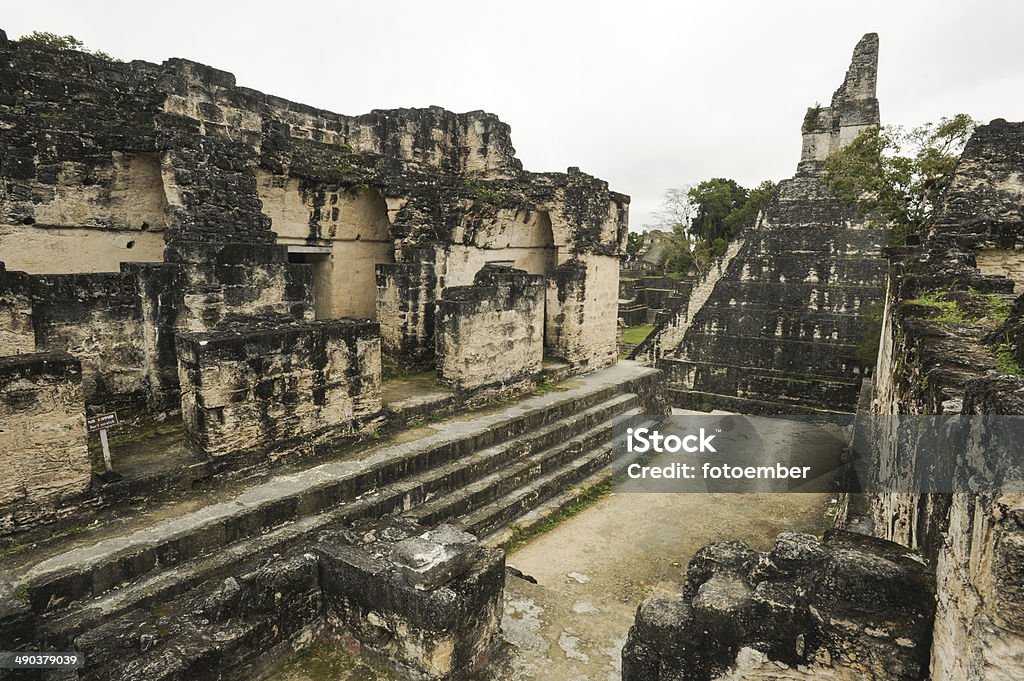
851	607
445	631
275	389
42	434
491	333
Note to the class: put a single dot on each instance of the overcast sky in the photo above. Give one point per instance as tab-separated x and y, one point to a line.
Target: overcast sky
647	95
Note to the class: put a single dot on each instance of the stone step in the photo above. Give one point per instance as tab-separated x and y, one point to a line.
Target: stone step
509	478
495	515
91	583
705	401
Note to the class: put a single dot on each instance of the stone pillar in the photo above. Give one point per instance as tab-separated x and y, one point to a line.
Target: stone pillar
582	312
491	334
42	436
279	389
426	602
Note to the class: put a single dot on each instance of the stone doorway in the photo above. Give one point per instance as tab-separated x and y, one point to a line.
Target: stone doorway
320	258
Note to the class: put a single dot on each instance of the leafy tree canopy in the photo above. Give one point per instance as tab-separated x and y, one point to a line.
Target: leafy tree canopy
634	240
896	177
704	218
63	42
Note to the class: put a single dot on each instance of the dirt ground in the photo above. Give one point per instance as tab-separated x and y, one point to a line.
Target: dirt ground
593	571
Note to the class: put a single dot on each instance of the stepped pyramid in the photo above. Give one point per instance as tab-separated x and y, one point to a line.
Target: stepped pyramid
777	326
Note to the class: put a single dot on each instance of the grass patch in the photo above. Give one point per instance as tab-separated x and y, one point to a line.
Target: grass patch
425	375
585	500
948	311
548	387
998	308
636	334
1006	360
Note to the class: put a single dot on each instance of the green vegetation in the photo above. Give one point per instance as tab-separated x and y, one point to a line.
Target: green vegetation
870	333
484	191
634	240
548	387
703	219
1006	359
948	310
322	661
987	312
811	117
998	308
896	177
64	42
635	335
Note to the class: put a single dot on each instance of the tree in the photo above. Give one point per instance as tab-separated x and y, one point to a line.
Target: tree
896	177
634	240
63	42
703	219
716	201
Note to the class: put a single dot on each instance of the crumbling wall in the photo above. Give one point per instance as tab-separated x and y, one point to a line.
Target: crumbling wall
426	602
282	389
230	283
579	309
848	608
42	437
98	319
947	331
406	292
132	152
491	333
16	333
351	224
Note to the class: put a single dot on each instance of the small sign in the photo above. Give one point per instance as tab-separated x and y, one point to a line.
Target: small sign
101	422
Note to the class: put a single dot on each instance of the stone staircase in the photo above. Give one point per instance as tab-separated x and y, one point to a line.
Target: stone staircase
478	471
670	331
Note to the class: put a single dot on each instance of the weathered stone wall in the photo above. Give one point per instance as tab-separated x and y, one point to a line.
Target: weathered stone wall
287	388
16	333
945	324
428	603
95	317
850	608
425	602
774	327
231	283
138	151
406	292
491	334
352	226
98	319
582	312
42	437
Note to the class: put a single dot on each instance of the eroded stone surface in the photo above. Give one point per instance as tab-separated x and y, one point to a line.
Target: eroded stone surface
772	327
851	607
929	366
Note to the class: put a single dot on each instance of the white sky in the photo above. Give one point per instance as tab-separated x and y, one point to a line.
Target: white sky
646	95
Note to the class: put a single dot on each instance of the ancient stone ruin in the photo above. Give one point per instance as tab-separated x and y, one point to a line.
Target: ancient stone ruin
350	358
254	262
260	291
773	326
919	585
